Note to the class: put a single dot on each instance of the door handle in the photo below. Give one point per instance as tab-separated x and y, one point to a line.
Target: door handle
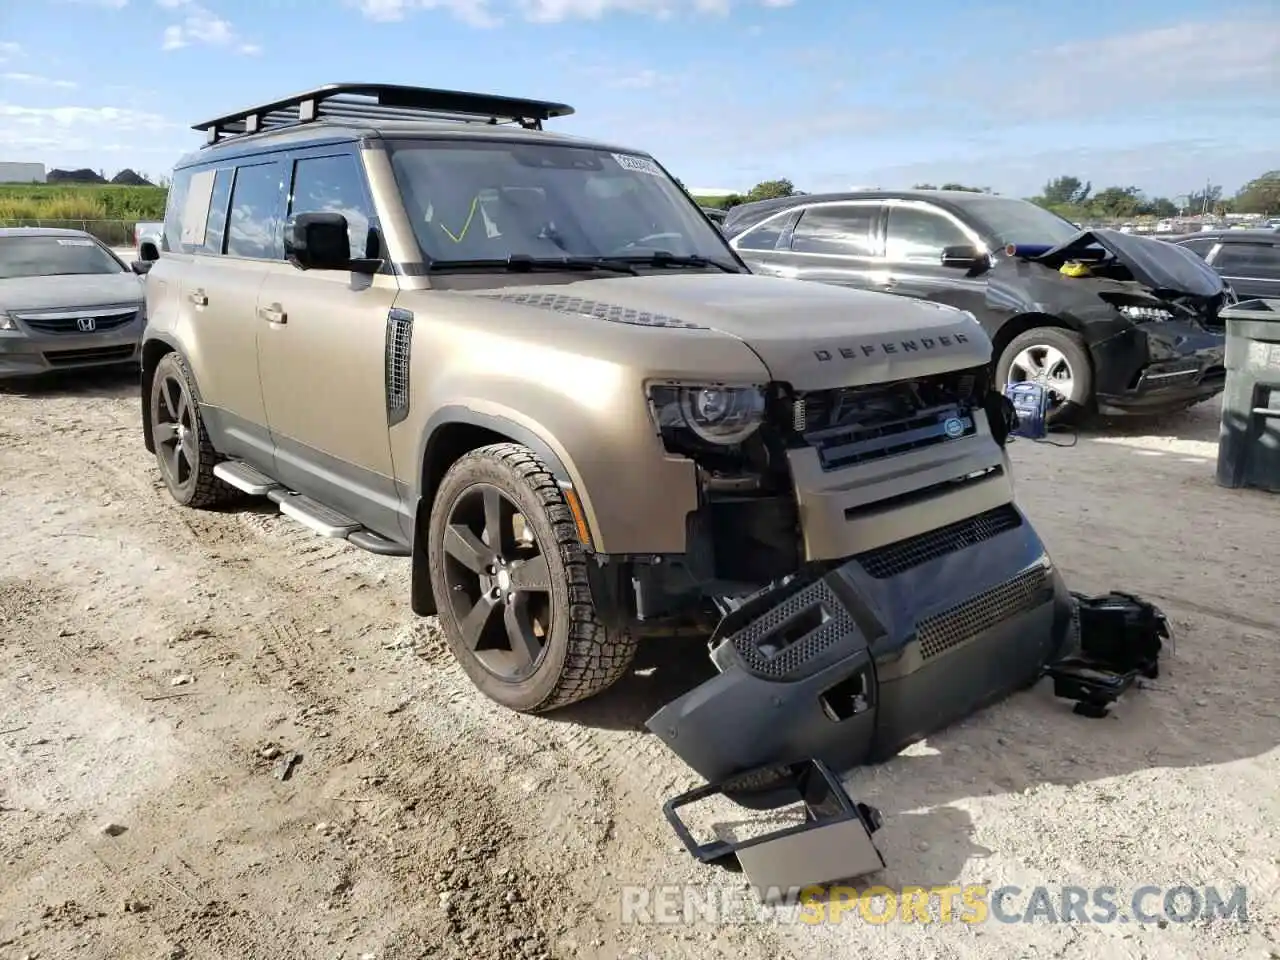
273	313
199	298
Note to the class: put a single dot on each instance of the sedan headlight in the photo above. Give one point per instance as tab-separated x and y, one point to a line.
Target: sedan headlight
6	322
1133	312
715	413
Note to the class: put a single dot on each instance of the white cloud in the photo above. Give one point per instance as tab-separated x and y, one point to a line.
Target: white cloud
9	51
72	129
482	13
38	81
200	26
107	4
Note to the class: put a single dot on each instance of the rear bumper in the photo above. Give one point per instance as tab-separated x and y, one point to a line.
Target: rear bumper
1163	366
884	649
23	354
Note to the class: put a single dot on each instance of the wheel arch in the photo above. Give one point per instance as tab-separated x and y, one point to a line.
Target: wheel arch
1020	324
155	348
450	433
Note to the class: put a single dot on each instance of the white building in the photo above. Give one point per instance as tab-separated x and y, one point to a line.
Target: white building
21	172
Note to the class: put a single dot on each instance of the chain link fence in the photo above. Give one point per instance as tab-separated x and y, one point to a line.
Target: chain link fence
114	233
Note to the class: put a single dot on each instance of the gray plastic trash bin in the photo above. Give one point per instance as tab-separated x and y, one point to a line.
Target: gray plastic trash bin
1249	436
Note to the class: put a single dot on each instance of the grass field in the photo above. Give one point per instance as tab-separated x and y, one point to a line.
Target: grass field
55	201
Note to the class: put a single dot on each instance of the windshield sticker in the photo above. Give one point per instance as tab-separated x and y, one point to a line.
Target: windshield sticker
638	164
76	243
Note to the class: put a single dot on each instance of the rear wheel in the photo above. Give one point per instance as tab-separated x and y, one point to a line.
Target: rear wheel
183	450
511	580
1057	360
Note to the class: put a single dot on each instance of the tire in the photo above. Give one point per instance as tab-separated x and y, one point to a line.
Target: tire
1062	347
186	463
578	657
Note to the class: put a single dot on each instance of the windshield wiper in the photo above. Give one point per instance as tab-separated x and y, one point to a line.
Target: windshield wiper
664	259
522	263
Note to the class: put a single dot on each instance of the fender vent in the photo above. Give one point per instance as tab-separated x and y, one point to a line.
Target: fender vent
561	303
399	344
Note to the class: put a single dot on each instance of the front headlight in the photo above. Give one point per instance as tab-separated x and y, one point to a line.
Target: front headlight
715	413
6	322
1133	312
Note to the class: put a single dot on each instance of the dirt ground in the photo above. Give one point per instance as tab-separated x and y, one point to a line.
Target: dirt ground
157	665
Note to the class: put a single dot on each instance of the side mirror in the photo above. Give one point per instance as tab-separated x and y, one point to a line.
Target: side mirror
964	257
148	253
141	267
317	241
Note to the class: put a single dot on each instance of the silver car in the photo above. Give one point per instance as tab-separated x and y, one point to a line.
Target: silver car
66	301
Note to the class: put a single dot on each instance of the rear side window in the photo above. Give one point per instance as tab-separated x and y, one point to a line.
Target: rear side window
1200	247
765	236
177	201
334	185
1258	261
919	236
216	226
253	227
843	231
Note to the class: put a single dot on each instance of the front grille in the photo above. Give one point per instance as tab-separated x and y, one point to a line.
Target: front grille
896	558
64	358
854	425
71	322
953	628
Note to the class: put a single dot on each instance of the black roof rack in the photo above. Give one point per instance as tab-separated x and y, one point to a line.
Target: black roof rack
382	102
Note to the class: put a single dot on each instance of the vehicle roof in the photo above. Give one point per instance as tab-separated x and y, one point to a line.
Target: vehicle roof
941	197
45	232
340	130
1228	236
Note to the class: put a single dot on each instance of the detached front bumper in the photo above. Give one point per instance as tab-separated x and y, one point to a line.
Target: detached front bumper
1164	366
886	648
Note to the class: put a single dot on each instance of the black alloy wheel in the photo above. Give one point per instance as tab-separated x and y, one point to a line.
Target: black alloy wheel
499	583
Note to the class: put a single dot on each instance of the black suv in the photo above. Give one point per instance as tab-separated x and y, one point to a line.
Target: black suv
1107	321
1249	260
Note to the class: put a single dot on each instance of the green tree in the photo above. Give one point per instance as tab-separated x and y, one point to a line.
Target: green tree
1065	191
1117	202
770	189
1163	208
1261	195
1205	200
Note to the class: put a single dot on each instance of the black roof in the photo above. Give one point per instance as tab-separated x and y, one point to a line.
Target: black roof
376	104
1228	236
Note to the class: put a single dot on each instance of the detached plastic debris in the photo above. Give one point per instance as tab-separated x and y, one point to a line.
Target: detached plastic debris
1120	639
833	842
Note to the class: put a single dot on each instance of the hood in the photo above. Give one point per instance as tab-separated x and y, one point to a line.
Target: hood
1164	267
812	335
71	292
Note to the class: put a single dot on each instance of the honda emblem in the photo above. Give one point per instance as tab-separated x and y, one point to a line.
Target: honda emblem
86	324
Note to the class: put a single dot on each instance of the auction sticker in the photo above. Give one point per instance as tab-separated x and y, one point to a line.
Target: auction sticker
638	164
76	243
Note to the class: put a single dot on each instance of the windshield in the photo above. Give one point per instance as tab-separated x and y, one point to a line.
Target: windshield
1019	221
53	256
491	201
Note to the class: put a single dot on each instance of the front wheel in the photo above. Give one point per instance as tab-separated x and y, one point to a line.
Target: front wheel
1057	360
511	580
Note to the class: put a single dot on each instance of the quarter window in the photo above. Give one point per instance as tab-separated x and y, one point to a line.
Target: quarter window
1199	247
216	228
765	236
334	185
1260	261
920	236
253	228
843	231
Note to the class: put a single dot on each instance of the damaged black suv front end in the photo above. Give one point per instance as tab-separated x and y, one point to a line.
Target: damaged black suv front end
1148	312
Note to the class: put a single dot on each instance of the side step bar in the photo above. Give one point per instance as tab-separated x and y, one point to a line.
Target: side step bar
313	515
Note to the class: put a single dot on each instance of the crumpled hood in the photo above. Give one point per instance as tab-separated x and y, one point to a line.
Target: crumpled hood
70	292
812	335
1166	268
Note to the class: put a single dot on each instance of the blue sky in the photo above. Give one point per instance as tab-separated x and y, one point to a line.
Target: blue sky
1162	95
